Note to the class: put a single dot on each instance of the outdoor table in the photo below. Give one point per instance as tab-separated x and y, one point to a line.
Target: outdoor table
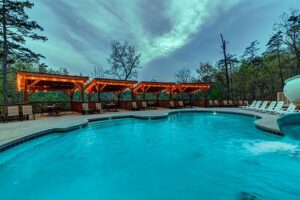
152	105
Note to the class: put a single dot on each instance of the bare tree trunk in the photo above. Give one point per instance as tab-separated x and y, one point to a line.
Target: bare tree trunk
223	46
280	69
4	56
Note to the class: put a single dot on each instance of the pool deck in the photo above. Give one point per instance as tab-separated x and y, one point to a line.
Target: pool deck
14	133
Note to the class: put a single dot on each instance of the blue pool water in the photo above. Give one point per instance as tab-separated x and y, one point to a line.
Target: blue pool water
188	156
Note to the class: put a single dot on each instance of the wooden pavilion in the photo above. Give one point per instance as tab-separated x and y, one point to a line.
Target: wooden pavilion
31	82
171	88
191	88
155	88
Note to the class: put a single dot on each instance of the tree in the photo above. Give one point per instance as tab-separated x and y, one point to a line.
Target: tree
98	72
16	27
289	25
205	72
42	68
274	47
225	62
124	61
183	76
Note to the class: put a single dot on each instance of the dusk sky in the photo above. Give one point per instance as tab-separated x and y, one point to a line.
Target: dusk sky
170	34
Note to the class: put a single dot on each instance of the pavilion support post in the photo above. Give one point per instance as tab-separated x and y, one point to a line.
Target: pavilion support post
119	97
89	97
132	94
99	96
26	97
157	98
190	97
82	93
144	96
71	96
205	96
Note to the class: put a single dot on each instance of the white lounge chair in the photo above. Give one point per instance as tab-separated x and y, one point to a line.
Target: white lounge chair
256	106
278	107
263	106
249	106
27	111
290	109
270	107
211	103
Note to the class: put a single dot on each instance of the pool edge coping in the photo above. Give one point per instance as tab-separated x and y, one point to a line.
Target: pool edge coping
36	135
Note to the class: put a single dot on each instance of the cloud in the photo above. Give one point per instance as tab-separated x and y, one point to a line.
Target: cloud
156	27
80	33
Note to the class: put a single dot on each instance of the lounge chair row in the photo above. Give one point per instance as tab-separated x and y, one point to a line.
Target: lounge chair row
227	103
143	105
272	107
20	113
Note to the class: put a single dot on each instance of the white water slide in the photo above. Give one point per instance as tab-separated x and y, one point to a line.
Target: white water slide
292	89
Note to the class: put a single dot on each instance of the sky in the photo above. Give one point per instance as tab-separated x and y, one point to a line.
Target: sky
170	34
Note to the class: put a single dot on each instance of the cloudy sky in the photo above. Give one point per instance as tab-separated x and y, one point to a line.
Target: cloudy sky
170	34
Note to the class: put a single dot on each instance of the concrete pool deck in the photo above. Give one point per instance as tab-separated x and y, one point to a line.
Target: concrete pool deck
14	133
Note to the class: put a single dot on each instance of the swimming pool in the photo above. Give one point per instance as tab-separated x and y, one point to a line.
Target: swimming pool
186	156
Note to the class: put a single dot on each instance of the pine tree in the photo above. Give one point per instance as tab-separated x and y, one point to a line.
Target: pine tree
16	28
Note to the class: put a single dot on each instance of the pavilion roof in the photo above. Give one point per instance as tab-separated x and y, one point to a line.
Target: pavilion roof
170	87
154	87
108	85
35	81
192	87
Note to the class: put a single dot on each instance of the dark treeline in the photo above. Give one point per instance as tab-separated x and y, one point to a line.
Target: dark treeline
254	75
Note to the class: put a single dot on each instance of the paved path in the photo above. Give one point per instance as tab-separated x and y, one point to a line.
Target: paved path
15	132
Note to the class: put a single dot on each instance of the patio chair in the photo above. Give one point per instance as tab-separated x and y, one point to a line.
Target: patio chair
263	106
292	108
13	111
134	106
27	111
245	103
99	108
85	108
181	104
269	108
2	114
216	103
240	103
144	105
211	103
230	103
277	108
171	104
225	103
